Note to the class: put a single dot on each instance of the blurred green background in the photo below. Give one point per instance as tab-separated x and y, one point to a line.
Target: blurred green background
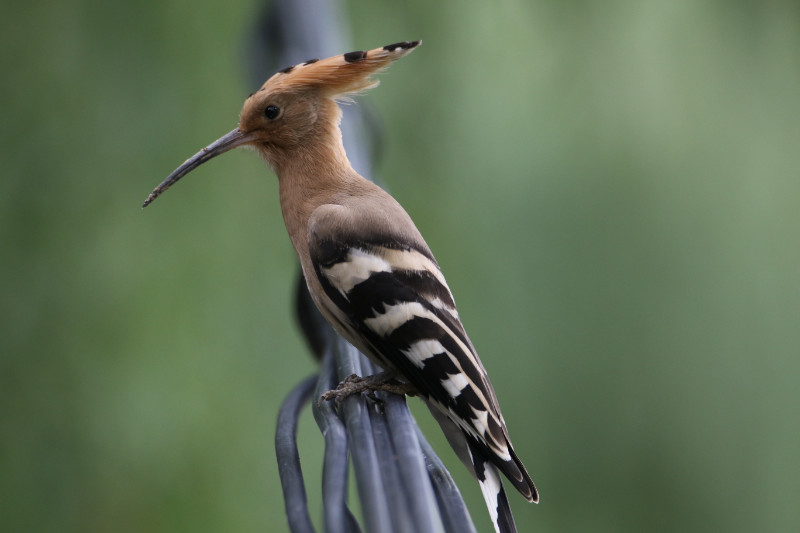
611	188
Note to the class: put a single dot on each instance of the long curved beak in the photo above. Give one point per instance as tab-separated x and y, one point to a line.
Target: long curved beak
220	146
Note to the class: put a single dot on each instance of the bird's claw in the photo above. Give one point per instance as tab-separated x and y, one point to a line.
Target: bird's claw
355	384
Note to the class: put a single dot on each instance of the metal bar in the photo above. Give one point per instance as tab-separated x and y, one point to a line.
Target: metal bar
336	516
291	473
402	485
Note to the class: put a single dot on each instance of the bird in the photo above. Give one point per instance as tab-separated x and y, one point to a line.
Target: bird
367	267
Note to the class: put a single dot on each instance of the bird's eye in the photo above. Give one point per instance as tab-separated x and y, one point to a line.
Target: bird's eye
271	112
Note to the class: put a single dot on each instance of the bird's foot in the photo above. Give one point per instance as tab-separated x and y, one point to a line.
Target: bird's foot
354	384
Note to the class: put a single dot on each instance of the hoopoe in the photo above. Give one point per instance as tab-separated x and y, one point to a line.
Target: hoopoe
368	269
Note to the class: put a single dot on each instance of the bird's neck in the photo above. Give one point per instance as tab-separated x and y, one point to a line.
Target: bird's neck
309	175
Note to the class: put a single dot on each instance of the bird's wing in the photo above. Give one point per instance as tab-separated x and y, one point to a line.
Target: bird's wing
391	299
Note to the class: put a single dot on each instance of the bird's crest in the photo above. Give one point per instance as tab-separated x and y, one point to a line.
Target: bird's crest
340	75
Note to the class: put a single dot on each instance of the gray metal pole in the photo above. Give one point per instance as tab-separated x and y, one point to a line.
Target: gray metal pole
402	484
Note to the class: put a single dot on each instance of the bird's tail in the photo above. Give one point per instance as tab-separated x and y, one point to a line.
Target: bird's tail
493	492
474	458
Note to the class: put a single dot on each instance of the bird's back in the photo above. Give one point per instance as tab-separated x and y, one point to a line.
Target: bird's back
380	286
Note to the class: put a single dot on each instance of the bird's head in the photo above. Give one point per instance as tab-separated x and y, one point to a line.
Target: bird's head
295	106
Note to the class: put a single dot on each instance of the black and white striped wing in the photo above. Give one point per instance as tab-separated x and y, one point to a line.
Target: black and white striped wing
392	300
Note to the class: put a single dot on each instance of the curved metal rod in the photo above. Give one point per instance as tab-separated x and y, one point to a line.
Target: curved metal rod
366	467
416	484
289	469
454	512
336	516
402	485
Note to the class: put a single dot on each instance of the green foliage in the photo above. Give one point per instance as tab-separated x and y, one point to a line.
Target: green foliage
611	189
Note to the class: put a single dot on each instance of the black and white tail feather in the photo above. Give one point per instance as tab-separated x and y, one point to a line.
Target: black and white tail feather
387	296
